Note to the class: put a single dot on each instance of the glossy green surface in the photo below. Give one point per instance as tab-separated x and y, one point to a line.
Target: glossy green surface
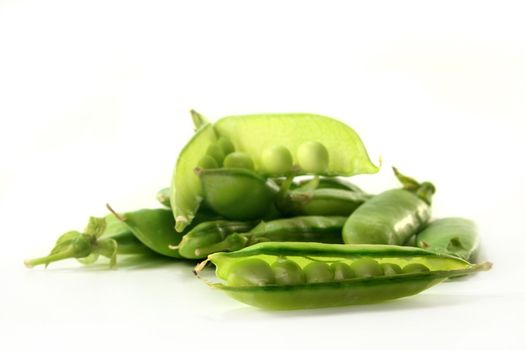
237	194
355	290
186	190
254	134
455	236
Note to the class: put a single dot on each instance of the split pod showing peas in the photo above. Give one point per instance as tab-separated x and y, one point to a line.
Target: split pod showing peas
391	217
218	236
273	144
299	275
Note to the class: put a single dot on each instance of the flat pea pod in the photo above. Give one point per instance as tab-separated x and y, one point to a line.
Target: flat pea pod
324	201
351	291
455	236
237	194
324	229
104	236
391	217
194	244
253	134
155	228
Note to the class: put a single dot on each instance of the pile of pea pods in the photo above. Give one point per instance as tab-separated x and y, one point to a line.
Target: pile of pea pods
266	199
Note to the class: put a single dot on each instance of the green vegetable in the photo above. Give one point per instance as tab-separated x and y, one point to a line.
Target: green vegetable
391	217
455	236
322	288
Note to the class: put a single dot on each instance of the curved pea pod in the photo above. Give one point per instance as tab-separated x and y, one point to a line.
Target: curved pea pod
454	236
318	145
195	243
324	201
324	229
186	189
391	217
105	236
237	194
340	290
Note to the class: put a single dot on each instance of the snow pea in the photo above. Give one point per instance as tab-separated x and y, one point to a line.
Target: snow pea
326	229
454	236
163	196
105	236
210	233
315	145
323	201
391	217
257	276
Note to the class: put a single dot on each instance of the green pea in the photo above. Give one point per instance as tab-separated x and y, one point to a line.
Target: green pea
215	151
312	157
342	271
391	269
251	272
277	160
238	160
366	267
207	162
226	145
318	272
415	268
287	272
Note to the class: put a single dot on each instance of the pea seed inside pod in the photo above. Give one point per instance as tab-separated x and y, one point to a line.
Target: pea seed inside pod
391	269
277	160
238	160
366	267
216	152
207	162
312	157
318	272
287	272
342	271
415	268
250	272
226	145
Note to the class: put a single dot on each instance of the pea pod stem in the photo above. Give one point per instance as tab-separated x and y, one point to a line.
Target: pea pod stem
30	263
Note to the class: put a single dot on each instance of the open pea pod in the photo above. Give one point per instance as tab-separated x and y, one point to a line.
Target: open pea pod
253	134
270	144
284	276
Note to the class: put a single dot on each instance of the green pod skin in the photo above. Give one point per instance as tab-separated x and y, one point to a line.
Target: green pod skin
324	229
391	217
352	291
252	134
331	183
454	236
155	228
237	194
325	201
193	245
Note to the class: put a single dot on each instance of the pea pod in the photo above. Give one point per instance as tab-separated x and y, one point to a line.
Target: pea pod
391	217
276	144
331	183
324	201
253	266
210	233
163	196
237	194
306	136
454	236
326	229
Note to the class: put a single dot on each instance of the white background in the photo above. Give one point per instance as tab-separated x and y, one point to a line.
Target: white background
94	100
